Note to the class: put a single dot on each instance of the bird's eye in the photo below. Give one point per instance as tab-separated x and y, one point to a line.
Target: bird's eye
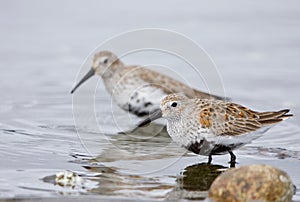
174	104
105	61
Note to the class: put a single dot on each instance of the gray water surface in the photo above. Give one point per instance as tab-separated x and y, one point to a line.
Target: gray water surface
255	45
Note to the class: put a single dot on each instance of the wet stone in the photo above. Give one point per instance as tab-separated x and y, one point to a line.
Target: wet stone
252	183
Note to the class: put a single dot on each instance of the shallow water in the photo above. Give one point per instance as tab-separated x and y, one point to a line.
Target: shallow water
255	46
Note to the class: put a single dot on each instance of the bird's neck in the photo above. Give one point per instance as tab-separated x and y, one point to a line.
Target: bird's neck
174	123
111	76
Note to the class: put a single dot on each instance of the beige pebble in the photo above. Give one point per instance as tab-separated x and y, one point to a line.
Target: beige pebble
252	183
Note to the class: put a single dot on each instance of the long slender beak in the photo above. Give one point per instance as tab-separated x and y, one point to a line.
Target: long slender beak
86	77
155	115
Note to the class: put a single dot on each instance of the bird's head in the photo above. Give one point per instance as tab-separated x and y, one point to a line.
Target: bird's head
104	64
172	106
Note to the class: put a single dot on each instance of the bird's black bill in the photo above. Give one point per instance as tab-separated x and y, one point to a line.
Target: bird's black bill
153	116
86	77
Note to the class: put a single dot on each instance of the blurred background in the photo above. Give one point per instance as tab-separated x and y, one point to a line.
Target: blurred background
255	46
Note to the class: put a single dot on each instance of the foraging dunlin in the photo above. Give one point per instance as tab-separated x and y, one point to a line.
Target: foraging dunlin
135	88
211	127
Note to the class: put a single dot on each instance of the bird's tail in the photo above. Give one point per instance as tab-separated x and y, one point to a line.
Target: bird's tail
273	117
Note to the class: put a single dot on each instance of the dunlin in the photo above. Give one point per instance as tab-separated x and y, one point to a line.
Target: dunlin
134	88
211	127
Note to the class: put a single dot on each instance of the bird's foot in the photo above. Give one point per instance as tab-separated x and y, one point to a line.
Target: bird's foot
232	164
232	161
209	160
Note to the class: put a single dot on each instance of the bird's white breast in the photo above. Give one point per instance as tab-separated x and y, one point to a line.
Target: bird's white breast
185	133
134	94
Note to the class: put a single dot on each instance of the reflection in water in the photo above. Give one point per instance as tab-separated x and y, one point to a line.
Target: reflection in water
112	182
139	145
142	147
152	128
194	182
125	150
199	177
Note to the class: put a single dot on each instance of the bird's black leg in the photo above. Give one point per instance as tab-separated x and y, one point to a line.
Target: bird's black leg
232	159
209	159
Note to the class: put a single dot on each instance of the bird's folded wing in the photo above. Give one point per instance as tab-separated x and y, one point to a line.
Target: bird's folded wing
229	119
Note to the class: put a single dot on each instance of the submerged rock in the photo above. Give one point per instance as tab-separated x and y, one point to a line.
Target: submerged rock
252	183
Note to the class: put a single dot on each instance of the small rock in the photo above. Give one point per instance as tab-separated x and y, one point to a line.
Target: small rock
252	183
68	179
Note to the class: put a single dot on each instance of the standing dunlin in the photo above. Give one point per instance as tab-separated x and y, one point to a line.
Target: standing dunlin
135	88
211	127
